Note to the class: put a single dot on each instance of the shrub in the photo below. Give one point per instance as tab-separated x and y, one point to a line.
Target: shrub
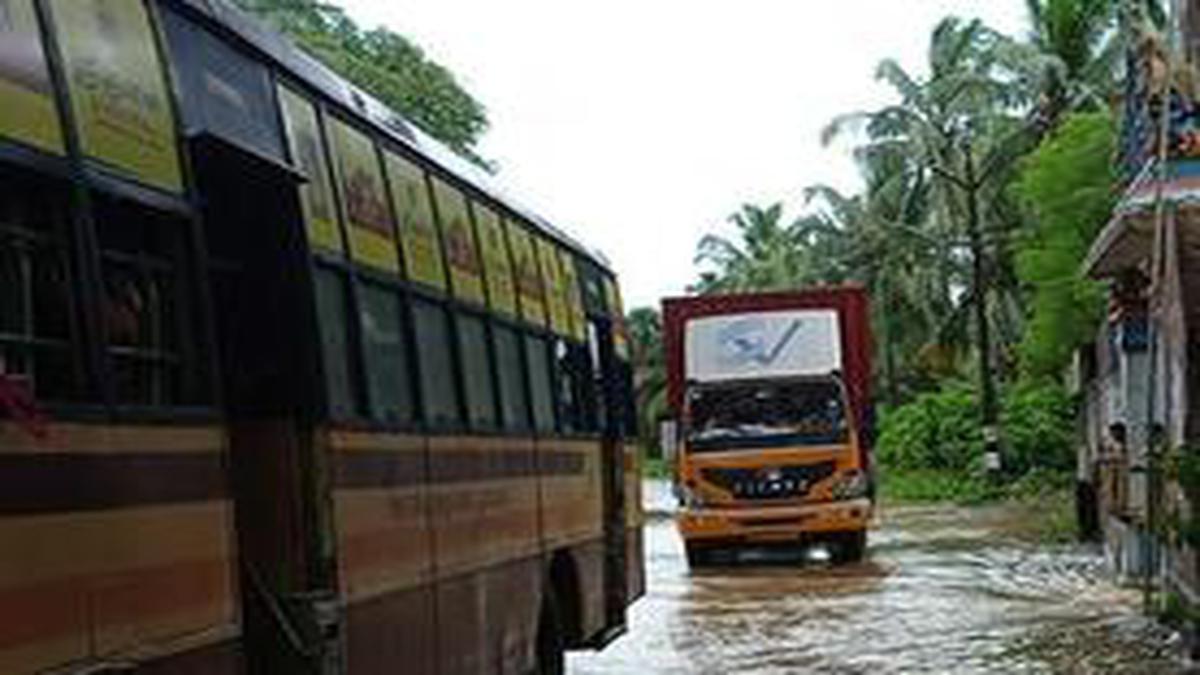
941	430
938	430
1039	428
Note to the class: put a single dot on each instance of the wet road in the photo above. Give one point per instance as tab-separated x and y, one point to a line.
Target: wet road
945	590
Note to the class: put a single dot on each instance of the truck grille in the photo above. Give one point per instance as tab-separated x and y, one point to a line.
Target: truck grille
785	482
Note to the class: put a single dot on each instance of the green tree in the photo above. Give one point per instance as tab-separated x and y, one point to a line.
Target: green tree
962	128
767	254
877	239
385	64
649	373
1073	50
1068	185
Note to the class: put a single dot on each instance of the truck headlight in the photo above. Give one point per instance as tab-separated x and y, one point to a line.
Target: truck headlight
852	484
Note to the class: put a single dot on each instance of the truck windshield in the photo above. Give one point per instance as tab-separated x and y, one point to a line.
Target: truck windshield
772	414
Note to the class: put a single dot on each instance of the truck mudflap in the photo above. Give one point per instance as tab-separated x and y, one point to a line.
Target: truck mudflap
776	522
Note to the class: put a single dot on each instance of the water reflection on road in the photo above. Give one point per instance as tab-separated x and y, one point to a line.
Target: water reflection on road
946	590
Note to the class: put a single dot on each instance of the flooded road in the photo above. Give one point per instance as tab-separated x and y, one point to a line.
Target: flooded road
945	590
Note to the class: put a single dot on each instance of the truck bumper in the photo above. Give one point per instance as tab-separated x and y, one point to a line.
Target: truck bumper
774	523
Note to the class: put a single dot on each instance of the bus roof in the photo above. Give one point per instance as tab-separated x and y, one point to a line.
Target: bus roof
305	68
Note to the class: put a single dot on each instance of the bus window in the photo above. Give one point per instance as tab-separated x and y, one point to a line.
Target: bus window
385	356
537	357
145	306
514	405
576	399
331	310
35	339
438	385
476	369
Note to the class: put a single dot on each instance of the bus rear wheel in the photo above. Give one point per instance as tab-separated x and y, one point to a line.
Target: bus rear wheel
551	644
848	547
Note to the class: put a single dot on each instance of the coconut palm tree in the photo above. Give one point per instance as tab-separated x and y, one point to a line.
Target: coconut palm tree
767	255
961	130
879	238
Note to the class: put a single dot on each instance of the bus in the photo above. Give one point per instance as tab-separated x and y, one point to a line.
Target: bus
285	385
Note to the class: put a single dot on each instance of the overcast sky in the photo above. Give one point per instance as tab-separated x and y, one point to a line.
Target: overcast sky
640	125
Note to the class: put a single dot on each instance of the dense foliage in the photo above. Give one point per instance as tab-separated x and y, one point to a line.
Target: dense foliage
1068	185
940	430
385	64
649	373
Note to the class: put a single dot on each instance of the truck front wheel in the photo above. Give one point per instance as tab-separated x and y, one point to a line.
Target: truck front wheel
848	547
697	555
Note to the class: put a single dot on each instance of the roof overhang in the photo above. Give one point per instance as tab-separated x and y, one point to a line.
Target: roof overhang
1128	238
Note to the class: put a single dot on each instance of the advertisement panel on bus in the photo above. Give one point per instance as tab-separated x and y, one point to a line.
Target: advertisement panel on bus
30	115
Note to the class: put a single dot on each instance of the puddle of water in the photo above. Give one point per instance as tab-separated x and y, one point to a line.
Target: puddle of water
945	589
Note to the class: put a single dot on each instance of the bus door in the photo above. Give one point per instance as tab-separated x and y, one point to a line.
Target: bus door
611	406
265	335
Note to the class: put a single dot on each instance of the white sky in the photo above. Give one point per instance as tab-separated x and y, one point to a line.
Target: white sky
640	125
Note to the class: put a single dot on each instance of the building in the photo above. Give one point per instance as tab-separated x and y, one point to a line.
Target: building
1140	378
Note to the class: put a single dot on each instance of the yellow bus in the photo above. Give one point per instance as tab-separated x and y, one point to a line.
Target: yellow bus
285	386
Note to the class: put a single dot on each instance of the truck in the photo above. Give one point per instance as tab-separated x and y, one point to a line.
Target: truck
770	423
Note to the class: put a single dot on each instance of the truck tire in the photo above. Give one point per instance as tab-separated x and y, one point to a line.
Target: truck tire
698	556
551	645
848	547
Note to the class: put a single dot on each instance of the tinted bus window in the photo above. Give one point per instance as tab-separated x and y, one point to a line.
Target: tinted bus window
477	376
537	357
224	92
575	392
332	315
35	337
436	364
514	406
151	337
389	386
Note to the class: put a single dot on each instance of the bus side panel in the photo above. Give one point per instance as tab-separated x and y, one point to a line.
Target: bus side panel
484	511
117	547
384	551
391	631
224	658
513	604
572	518
449	523
487	619
635	570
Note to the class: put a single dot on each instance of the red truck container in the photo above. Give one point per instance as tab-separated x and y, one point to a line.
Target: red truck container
770	429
